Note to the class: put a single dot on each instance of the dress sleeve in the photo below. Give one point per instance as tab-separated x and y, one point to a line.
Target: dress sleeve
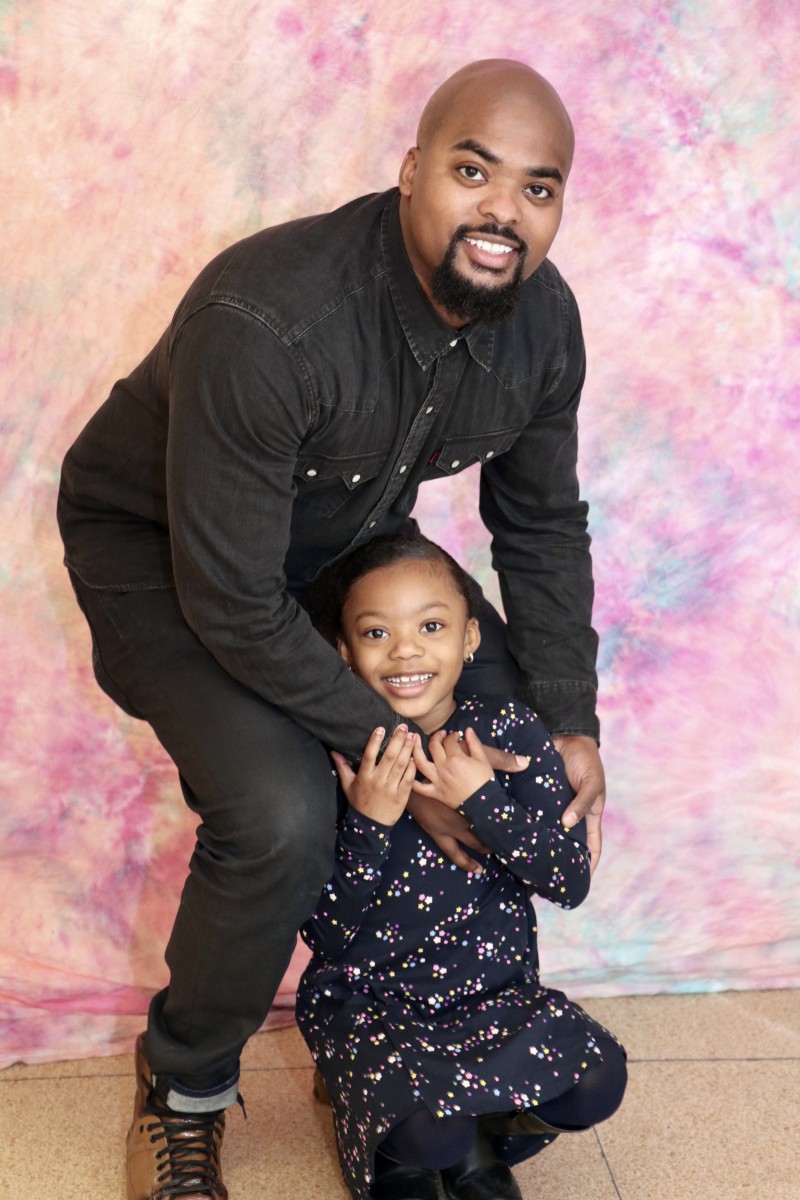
530	503
518	816
362	847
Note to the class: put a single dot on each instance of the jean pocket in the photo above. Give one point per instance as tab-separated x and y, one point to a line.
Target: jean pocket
458	453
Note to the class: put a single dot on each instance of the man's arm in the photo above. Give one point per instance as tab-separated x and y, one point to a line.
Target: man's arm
530	503
240	407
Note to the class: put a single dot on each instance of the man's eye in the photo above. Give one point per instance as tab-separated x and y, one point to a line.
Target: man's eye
432	626
471	173
539	191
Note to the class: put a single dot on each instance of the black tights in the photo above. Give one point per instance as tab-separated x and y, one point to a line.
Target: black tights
435	1143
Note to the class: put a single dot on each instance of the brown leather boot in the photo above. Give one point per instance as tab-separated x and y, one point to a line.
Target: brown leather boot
171	1154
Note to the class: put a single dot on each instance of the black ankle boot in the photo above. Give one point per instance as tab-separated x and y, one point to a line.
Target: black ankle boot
480	1176
394	1181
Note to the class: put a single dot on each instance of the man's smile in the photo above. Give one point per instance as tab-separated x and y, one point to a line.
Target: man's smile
497	248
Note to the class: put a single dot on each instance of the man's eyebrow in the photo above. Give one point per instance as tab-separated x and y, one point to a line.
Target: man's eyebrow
488	156
481	151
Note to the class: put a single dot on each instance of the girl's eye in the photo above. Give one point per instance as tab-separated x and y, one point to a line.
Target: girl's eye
375	634
472	173
432	626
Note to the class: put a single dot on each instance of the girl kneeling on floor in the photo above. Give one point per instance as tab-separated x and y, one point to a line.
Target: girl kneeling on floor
422	1006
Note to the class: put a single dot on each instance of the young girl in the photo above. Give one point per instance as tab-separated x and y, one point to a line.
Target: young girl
422	1006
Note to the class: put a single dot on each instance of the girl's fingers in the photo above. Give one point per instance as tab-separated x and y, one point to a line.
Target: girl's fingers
410	774
436	747
475	746
394	747
343	770
431	790
397	766
372	747
421	762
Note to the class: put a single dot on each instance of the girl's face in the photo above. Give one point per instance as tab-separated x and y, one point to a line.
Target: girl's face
406	633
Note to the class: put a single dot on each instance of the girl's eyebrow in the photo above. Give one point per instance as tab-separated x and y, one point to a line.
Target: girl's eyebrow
372	616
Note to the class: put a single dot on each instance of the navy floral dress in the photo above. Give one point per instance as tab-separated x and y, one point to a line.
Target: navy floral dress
423	988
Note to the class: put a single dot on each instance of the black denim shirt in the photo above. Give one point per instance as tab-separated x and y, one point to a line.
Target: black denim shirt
303	391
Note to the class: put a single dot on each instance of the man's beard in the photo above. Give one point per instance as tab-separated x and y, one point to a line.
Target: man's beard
472	301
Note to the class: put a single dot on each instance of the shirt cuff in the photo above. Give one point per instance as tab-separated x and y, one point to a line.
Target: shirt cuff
567	707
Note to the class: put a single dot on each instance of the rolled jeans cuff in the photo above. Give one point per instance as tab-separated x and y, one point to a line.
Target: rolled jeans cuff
196	1100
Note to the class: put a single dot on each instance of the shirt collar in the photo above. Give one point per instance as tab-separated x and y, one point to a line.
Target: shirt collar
426	333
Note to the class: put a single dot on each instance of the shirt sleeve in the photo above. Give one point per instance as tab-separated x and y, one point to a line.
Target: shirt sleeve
531	505
362	847
240	408
518	815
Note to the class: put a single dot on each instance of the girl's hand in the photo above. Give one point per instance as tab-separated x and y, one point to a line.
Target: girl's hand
457	767
380	790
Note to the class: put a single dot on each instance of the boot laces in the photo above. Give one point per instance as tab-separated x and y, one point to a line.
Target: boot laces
188	1160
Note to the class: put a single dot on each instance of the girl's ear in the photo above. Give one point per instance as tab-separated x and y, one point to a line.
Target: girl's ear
472	636
345	653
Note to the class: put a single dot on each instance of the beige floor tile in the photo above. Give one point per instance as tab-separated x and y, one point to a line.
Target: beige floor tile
266	1051
65	1123
64	1137
702	1131
572	1168
719	1025
114	1065
277	1049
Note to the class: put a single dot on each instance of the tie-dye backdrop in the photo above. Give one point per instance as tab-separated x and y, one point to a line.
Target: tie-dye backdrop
136	140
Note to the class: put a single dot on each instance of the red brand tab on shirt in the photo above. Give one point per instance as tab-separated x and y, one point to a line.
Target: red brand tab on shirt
433	457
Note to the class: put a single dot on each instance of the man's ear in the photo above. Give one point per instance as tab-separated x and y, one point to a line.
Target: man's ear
408	170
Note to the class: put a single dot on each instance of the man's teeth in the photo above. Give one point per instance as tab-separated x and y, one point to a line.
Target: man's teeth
489	247
407	680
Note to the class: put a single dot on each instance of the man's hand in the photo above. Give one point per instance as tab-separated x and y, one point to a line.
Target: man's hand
449	830
585	773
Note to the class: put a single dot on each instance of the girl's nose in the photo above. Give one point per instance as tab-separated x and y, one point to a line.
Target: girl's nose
406	647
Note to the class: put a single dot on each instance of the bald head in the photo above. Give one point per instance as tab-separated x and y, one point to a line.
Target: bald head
490	86
481	193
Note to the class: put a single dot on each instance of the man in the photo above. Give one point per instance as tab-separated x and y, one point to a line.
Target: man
312	377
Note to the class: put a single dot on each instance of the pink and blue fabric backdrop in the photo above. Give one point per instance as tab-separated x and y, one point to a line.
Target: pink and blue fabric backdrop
138	140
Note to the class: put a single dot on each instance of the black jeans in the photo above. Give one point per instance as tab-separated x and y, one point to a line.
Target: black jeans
264	791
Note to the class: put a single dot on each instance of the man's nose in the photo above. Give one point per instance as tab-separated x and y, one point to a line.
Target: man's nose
500	202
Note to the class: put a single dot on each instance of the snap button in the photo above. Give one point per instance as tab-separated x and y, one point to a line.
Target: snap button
455	462
311	472
372	524
356	478
454	343
403	468
429	410
489	453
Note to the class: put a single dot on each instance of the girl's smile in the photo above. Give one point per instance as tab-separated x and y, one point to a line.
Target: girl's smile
406	632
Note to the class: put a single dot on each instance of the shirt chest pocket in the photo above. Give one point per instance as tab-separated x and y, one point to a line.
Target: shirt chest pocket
457	453
324	482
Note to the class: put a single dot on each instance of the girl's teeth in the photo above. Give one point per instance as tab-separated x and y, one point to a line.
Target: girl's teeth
400	680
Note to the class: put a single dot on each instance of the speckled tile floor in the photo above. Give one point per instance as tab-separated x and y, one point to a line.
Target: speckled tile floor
712	1112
